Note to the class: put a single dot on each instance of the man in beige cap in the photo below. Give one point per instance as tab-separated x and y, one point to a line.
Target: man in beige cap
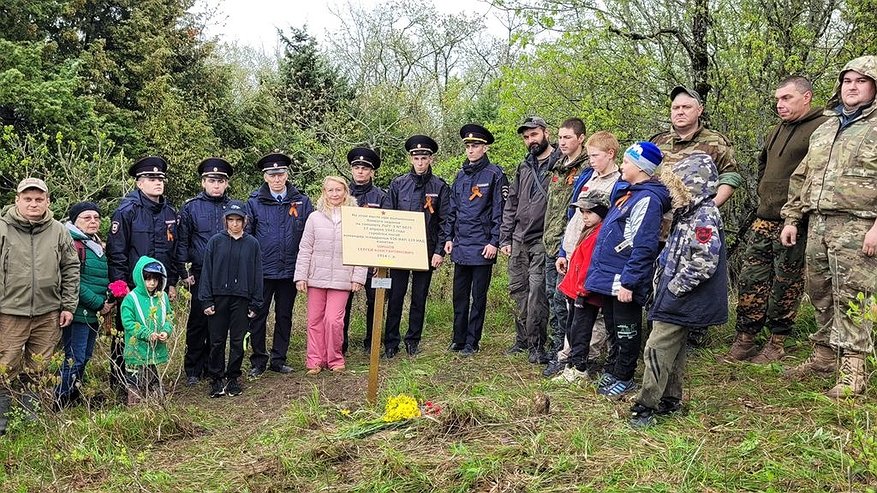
38	291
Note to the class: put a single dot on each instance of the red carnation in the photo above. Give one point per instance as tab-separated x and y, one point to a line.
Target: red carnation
118	289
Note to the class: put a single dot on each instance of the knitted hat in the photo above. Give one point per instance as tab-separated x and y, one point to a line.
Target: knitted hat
645	155
78	208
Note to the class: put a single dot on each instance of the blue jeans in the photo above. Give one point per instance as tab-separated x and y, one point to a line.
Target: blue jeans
78	339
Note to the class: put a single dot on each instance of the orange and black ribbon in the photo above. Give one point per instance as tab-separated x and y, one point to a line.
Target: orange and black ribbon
428	205
293	210
170	233
622	199
476	192
570	177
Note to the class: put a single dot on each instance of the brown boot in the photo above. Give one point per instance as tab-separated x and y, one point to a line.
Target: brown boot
774	350
851	379
743	347
822	360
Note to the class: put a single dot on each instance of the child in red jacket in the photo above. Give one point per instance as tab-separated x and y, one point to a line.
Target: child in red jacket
583	306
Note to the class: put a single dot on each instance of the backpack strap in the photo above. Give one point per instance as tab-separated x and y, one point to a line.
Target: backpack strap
80	250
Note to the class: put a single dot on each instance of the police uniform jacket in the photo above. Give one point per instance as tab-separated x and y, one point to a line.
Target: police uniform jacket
369	195
477	198
142	227
200	218
278	227
425	193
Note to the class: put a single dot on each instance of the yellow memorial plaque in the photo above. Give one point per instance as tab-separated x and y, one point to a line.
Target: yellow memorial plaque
383	238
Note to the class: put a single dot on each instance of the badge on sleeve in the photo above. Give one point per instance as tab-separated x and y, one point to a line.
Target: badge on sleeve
505	192
703	234
115	227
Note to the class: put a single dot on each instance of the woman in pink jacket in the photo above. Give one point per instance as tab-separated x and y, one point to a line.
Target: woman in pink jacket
328	283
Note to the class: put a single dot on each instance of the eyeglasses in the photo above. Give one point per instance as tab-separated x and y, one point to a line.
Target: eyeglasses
88	218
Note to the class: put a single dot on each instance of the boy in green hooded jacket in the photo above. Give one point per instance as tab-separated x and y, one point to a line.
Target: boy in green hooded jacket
148	321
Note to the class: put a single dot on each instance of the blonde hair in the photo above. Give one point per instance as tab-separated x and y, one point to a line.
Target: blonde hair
323	204
604	141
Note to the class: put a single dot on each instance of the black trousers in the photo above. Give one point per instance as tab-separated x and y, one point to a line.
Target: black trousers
369	314
197	335
118	375
419	289
470	302
624	326
229	323
282	291
579	329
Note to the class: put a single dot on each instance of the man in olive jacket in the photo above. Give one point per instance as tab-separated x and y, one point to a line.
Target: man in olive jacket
39	285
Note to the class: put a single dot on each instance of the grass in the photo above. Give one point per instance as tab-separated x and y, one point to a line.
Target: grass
744	429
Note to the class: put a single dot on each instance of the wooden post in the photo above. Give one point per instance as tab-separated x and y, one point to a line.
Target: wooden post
377	337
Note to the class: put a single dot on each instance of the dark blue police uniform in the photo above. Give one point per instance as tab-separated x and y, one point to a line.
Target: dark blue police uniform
430	195
200	218
278	225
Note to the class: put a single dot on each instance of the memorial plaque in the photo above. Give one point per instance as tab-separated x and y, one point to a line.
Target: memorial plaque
384	238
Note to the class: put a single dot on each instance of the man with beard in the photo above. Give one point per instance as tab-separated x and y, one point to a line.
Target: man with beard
417	191
144	224
521	238
364	162
200	218
278	212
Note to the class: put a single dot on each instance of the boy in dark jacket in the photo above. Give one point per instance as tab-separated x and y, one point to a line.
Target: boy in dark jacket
622	264
231	292
691	285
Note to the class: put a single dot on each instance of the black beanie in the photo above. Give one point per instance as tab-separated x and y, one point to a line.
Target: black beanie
77	209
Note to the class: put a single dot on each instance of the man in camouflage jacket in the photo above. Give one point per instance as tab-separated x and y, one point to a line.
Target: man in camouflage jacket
835	187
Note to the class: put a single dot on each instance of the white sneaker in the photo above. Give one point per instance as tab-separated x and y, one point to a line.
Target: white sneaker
575	375
563	377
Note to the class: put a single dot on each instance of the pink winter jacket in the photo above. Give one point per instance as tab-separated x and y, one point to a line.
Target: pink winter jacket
319	255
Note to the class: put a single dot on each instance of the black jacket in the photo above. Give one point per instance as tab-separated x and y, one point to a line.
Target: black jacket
142	227
200	218
232	268
369	195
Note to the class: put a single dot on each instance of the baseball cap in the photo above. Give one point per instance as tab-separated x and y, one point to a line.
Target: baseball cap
31	183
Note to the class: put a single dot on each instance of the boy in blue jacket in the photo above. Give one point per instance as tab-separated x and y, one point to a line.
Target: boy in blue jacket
692	285
622	265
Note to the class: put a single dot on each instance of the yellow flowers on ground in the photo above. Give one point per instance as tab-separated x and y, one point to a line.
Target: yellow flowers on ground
400	408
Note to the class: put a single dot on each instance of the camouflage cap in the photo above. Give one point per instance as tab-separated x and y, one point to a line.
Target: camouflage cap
594	201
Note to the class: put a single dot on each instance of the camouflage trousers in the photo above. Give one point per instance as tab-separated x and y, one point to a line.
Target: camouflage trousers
771	280
837	271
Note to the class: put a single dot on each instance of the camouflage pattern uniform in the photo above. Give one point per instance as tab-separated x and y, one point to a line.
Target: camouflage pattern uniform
703	140
835	186
691	279
772	277
560	188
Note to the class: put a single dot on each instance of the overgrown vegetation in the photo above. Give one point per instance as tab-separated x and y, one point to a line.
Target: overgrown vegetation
744	428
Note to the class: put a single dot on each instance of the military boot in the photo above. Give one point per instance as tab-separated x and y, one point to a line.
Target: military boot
743	347
774	350
822	360
851	379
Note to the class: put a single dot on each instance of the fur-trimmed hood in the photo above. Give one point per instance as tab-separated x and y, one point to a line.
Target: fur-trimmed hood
691	181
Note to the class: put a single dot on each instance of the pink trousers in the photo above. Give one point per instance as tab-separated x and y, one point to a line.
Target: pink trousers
325	327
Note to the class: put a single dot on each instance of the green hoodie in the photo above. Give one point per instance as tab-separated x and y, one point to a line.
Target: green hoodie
144	315
39	266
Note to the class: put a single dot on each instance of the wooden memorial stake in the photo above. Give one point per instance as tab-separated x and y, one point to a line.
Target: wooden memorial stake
377	337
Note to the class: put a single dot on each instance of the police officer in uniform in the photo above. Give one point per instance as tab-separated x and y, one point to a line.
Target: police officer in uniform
363	164
200	218
278	212
472	235
417	191
144	224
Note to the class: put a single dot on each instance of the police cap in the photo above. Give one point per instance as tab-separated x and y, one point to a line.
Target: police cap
363	156
274	163
474	133
215	167
150	166
421	145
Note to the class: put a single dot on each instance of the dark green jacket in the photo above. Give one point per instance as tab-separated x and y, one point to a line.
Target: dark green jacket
93	280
